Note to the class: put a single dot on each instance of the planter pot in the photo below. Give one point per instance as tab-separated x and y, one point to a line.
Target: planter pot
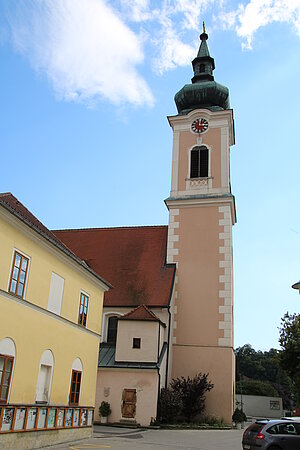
103	419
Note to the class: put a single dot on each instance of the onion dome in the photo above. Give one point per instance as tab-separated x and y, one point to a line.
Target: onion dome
204	92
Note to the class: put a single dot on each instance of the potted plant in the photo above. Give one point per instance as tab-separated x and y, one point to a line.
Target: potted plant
104	411
239	417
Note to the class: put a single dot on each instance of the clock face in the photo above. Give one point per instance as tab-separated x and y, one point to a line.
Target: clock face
199	125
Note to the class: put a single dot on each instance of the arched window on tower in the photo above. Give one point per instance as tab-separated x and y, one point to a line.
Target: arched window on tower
202	68
112	328
199	162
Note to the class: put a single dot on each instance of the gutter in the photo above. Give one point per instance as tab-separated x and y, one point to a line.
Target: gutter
169	325
57	244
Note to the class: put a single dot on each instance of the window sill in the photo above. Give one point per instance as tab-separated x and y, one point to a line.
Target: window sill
199	178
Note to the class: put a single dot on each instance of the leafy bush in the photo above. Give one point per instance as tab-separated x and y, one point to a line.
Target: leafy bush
191	391
239	416
170	404
211	420
104	409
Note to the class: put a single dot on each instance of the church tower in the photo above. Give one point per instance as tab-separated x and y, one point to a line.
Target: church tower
201	215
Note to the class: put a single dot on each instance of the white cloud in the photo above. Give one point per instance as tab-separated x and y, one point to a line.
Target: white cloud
84	48
91	49
247	19
168	25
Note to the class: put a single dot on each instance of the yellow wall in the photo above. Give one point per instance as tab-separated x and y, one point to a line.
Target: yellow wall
44	261
35	330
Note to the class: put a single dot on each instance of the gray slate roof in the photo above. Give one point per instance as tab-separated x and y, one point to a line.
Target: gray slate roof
107	359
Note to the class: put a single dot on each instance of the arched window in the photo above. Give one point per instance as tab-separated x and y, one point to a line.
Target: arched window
199	162
112	330
45	377
76	376
7	357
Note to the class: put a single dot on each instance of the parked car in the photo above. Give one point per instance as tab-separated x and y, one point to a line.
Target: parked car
272	435
296	418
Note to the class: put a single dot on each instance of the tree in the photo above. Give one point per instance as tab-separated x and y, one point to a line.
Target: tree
289	339
192	392
263	366
255	387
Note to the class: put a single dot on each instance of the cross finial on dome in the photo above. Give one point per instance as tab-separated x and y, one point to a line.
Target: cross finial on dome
204	27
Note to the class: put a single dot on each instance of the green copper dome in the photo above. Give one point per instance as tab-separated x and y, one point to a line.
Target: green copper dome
204	92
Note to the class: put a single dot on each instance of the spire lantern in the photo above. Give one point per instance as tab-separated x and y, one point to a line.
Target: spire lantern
203	64
204	92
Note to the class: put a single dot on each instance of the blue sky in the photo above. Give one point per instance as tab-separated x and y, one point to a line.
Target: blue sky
85	89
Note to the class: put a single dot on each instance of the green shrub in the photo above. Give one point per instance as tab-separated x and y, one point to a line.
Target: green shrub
104	409
239	416
211	420
191	391
170	405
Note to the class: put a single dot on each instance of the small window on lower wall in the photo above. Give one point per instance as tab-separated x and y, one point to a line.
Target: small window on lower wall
136	343
6	366
75	388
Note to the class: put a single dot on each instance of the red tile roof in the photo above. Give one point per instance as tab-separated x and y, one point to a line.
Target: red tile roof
131	258
15	207
140	313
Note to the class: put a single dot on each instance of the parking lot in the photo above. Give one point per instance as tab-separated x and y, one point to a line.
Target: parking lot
122	438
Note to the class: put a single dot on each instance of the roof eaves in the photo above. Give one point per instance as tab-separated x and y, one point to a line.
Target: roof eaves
58	245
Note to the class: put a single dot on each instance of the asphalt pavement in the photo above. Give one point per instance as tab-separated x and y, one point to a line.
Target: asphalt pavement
147	439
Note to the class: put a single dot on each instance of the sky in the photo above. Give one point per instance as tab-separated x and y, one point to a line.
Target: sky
85	90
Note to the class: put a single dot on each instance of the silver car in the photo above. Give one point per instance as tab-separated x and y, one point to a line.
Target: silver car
272	435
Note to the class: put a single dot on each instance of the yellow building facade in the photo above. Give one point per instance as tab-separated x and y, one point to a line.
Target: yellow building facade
50	309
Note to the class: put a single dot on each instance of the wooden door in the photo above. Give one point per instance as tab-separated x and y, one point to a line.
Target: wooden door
129	403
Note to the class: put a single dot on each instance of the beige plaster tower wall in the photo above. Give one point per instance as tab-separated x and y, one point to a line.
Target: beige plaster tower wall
202	213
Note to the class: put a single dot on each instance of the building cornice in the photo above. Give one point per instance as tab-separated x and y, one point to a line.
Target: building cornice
189	201
216	119
30	305
59	251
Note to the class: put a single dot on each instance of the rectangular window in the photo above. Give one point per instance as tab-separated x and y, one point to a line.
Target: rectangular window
18	275
83	309
199	162
75	388
195	158
6	365
136	343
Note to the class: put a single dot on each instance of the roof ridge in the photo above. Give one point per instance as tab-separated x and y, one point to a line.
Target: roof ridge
109	228
140	307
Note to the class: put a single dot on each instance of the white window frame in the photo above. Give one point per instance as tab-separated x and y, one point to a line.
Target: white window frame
11	267
88	310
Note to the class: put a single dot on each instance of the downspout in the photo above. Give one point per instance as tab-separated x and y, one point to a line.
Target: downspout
168	350
158	397
158	374
169	326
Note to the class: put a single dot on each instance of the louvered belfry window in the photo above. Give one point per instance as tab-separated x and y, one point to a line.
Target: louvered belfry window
199	162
